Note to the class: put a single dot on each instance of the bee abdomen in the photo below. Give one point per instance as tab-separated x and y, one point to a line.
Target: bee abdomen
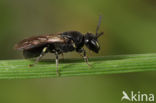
34	52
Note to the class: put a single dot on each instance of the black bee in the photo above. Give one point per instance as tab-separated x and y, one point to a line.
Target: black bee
60	43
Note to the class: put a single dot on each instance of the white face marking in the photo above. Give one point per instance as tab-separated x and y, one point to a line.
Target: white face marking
95	43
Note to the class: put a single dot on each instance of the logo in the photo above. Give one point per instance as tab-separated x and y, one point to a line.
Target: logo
138	96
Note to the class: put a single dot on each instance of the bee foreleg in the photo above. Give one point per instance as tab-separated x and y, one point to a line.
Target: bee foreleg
85	57
41	55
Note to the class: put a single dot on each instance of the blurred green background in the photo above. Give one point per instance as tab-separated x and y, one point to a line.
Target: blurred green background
129	26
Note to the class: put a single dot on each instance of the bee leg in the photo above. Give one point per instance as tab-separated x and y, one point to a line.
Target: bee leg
85	57
81	55
57	61
62	56
41	55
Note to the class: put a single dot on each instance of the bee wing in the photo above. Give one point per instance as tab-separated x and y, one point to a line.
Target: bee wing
38	41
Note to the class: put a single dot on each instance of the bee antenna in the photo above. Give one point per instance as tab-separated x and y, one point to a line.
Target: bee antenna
98	35
98	26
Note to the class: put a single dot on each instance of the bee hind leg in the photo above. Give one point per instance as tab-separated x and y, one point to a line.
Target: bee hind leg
44	51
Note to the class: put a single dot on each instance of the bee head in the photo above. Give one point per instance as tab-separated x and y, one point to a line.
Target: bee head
91	40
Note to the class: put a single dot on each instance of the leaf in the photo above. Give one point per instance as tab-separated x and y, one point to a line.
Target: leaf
18	69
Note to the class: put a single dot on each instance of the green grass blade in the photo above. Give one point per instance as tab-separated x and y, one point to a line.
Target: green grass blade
17	69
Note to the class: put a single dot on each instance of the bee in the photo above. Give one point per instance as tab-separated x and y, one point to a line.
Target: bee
60	43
